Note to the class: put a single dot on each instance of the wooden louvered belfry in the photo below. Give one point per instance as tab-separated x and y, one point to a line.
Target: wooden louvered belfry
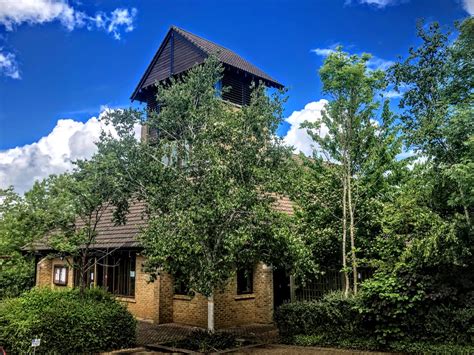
181	50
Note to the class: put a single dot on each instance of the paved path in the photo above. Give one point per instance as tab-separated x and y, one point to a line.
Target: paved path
149	333
278	349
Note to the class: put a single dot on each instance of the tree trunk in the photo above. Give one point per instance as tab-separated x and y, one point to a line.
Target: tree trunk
344	237
210	313
83	273
352	234
465	208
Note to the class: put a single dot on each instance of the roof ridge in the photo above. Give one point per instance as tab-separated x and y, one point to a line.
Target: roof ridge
186	32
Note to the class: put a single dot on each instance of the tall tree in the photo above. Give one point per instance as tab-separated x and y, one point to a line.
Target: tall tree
437	110
206	179
360	147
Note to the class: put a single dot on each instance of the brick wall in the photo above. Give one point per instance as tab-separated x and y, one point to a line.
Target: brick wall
145	303
45	270
230	309
156	302
233	309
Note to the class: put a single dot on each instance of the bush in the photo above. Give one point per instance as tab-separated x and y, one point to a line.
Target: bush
332	313
402	307
384	316
16	275
65	322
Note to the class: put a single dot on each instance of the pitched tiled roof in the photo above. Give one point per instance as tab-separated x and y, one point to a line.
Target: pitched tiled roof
111	236
225	55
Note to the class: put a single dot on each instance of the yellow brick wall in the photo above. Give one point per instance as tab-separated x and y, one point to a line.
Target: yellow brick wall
143	306
156	302
230	309
145	303
234	310
45	270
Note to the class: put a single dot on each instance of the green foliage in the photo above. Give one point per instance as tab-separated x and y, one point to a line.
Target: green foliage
369	344
16	275
437	110
206	342
206	179
23	219
65	322
333	314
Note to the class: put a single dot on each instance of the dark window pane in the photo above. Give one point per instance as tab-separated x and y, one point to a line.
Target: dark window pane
244	281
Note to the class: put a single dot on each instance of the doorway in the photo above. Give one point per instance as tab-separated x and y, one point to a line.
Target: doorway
281	287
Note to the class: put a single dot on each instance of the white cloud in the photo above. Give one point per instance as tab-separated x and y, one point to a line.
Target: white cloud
469	6
377	3
392	94
8	65
53	154
36	12
376	63
32	12
121	18
297	136
323	52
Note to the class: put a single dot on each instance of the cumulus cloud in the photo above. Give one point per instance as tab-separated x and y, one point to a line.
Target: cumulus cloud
35	12
297	136
53	154
469	6
9	65
32	12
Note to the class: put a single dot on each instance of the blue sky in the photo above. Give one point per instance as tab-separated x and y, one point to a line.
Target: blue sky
80	56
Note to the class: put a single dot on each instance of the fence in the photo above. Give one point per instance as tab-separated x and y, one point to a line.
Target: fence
332	280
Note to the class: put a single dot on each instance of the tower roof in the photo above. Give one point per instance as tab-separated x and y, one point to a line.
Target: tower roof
181	50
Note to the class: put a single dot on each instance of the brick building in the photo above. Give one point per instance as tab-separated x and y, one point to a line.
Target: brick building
250	297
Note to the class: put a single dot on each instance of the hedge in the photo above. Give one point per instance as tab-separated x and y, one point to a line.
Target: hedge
367	323
334	313
65	322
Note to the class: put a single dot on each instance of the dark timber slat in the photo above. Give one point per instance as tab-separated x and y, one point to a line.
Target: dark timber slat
181	50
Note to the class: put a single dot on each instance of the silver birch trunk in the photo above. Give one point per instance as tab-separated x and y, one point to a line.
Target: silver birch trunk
344	237
210	313
352	233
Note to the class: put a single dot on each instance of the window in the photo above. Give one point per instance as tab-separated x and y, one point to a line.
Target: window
116	273
181	286
244	281
60	275
89	277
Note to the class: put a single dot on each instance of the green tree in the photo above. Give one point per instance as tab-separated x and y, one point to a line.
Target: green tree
207	178
359	148
83	196
23	220
437	110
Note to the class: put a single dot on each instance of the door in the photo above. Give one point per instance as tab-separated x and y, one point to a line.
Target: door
281	288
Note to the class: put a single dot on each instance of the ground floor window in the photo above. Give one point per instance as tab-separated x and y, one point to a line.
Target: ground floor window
60	275
115	272
245	281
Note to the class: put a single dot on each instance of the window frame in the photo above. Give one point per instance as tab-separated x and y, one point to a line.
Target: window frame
60	282
245	281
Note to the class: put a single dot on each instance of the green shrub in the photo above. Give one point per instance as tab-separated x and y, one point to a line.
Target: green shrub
332	313
65	322
205	341
371	344
16	275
